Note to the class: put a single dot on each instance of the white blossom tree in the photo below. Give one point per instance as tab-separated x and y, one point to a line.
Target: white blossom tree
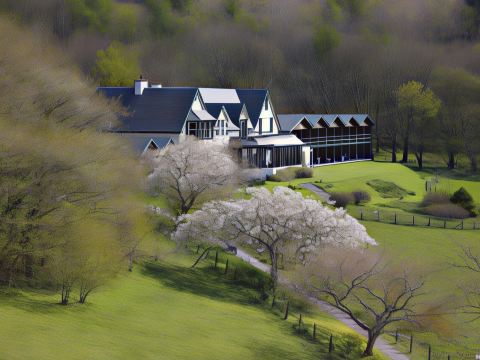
193	172
280	223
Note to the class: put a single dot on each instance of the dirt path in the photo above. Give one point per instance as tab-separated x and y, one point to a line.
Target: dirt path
381	344
321	193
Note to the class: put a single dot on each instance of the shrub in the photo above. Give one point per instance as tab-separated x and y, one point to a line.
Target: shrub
292	187
303	173
291	173
283	175
342	199
448	210
462	198
361	196
435	198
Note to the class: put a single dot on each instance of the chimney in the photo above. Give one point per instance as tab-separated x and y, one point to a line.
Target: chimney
140	85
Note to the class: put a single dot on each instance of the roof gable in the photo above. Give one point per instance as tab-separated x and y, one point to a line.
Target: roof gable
254	100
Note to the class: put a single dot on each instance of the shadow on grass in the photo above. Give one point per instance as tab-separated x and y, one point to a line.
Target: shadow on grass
206	281
33	303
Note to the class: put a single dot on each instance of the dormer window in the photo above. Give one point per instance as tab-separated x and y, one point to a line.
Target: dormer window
266	104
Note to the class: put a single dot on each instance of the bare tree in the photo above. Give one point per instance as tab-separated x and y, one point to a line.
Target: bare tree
470	262
350	281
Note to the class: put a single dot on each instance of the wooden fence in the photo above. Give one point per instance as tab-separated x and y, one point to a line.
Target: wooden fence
389	217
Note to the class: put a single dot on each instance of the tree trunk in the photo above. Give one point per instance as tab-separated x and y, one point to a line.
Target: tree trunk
419	156
394	152
66	289
274	271
370	344
451	160
201	256
405	149
473	164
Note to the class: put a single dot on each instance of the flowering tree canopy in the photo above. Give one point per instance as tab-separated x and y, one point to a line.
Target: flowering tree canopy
190	172
282	223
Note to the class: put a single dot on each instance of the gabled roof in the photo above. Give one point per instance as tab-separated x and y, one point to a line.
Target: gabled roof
156	110
289	121
141	143
253	100
233	110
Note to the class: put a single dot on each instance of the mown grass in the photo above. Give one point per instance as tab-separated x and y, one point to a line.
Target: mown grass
163	310
430	250
433	252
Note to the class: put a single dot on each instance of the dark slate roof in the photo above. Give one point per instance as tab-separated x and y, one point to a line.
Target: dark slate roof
233	111
253	100
140	143
289	121
156	110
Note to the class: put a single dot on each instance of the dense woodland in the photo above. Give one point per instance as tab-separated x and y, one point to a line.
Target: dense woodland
321	56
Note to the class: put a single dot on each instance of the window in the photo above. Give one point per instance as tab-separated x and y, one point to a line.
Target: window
192	129
260	126
266	103
271	124
243	129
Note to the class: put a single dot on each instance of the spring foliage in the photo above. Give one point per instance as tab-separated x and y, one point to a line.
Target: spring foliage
68	212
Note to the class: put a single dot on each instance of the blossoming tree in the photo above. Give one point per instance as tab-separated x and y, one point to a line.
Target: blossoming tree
280	223
189	173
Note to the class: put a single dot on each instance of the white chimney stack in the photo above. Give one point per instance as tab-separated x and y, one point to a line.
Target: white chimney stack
140	85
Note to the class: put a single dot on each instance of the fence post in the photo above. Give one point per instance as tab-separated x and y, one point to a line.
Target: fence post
378	215
429	352
216	258
314	331
396	336
286	311
331	346
444	224
411	343
361	215
462	224
226	267
413	220
448	357
300	322
395	218
429	221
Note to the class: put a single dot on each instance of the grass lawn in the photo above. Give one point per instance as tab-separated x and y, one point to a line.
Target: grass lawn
163	310
427	249
433	251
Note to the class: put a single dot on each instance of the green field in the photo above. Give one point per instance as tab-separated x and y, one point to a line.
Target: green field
431	250
163	310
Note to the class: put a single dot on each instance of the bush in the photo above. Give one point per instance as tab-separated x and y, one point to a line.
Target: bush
303	173
292	187
361	196
433	198
283	175
462	198
448	210
291	173
342	199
